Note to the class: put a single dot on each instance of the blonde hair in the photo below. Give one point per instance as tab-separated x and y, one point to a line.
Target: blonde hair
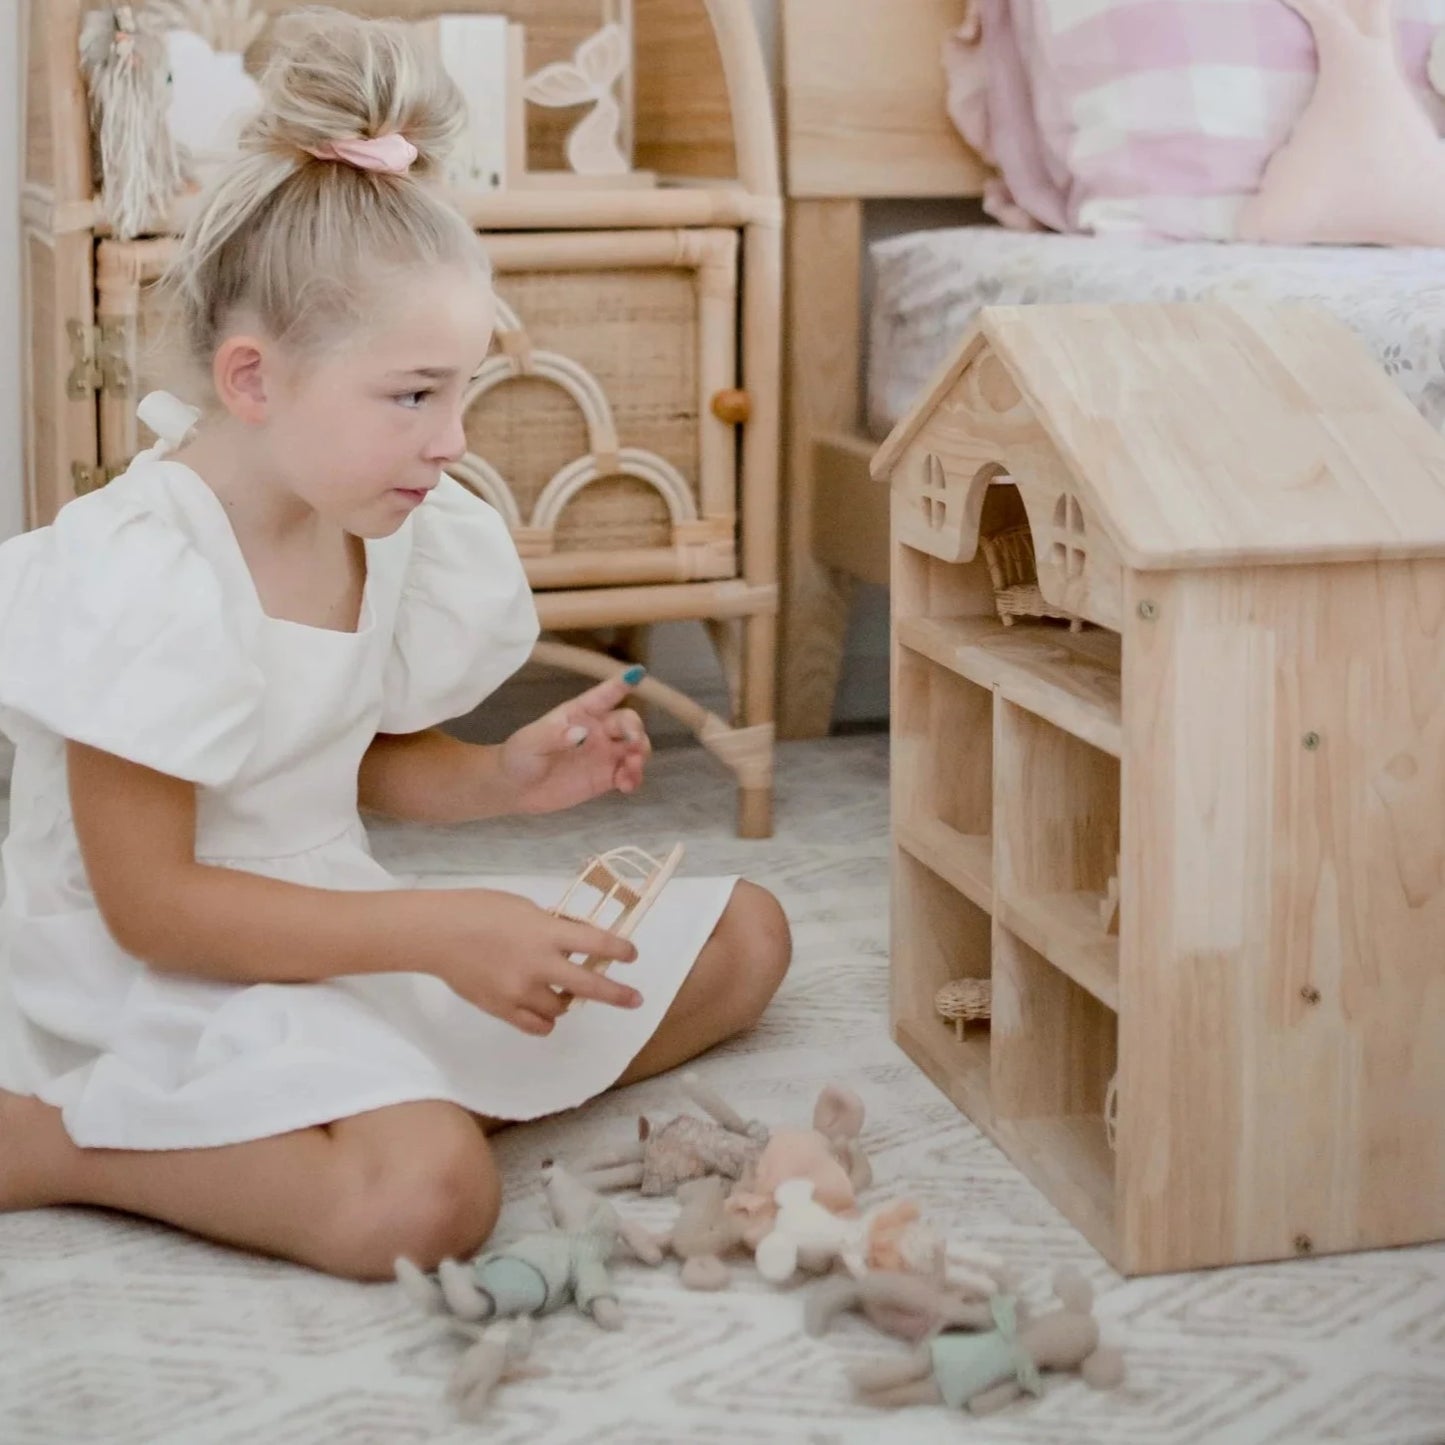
299	242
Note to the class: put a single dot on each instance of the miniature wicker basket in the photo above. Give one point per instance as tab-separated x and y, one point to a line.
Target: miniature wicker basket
964	1000
1014	573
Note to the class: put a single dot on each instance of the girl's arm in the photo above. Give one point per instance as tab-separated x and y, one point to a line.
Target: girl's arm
587	747
137	832
431	777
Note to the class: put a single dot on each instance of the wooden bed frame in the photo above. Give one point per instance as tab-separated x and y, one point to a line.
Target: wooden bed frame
864	119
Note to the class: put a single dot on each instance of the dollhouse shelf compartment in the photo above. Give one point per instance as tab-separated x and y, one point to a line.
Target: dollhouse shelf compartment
1064	929
964	860
1072	679
1265	566
1068	680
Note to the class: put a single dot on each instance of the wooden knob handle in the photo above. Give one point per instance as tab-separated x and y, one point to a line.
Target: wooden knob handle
733	406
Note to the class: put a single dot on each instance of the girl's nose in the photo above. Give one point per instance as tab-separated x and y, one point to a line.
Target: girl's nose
450	443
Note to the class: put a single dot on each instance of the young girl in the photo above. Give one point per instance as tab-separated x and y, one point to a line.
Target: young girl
215	1008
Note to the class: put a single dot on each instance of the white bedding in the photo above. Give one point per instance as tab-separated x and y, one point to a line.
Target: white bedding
930	284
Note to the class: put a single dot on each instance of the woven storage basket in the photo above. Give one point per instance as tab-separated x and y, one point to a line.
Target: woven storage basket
964	1000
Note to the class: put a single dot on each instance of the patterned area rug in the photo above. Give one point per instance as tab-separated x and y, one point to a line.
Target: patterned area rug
119	1332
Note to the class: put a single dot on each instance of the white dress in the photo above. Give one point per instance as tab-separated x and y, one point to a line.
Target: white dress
132	624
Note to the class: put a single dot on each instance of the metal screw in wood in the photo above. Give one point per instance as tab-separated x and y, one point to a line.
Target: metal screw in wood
1303	1244
1312	741
1310	994
1148	611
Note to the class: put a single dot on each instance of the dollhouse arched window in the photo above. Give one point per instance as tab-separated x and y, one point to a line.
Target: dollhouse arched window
1069	551
933	495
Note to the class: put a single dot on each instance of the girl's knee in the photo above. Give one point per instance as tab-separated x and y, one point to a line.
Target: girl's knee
437	1198
760	947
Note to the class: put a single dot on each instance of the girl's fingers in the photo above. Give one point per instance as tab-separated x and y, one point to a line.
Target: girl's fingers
533	1023
571	726
592	942
576	982
544	1001
624	726
607	696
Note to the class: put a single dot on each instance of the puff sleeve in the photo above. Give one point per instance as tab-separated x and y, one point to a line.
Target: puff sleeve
465	620
113	633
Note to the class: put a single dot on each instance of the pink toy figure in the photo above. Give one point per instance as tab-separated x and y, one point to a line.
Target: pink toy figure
1361	122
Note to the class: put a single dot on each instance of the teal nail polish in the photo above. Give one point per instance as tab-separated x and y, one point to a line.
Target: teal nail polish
634	675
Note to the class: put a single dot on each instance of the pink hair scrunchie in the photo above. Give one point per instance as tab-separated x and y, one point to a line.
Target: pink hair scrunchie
392	154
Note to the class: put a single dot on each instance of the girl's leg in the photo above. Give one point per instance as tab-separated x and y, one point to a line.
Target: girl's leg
347	1198
733	981
415	1180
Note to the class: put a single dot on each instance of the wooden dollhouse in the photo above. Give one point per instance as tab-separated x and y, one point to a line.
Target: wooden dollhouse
1197	845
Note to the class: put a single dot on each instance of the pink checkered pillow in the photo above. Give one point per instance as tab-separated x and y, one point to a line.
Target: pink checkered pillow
1160	115
990	100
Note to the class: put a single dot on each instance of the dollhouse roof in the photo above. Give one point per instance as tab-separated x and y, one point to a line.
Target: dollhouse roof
1210	434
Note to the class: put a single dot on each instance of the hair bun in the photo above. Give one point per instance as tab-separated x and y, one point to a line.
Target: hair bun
336	77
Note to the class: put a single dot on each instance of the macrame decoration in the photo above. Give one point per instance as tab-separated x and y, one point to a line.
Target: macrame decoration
212	96
138	168
225	25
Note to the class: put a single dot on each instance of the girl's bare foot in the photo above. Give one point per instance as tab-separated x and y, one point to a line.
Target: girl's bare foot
34	1153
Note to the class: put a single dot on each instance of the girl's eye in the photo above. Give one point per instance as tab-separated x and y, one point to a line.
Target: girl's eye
413	399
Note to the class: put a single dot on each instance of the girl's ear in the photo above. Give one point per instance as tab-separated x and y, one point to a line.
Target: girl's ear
241	376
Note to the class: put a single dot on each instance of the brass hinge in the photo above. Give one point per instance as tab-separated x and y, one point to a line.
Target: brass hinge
98	360
85	478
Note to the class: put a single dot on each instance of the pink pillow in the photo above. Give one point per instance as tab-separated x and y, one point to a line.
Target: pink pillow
1157	117
990	101
1361	121
1166	111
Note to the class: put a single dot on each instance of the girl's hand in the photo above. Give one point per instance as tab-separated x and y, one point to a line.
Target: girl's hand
512	959
578	751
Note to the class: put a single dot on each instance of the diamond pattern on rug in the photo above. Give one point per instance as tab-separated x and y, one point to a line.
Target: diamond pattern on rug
119	1332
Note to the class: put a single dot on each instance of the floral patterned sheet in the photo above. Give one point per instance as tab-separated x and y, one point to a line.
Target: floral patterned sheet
929	285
